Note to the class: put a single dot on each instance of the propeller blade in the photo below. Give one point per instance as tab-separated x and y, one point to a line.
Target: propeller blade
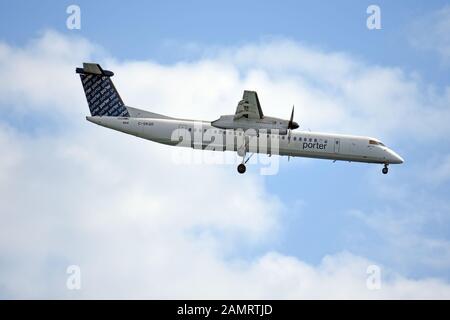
291	121
291	124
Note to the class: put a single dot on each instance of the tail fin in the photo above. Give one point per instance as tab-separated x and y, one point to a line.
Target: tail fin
102	97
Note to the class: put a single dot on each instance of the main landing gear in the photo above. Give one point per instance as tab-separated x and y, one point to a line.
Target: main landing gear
241	168
385	169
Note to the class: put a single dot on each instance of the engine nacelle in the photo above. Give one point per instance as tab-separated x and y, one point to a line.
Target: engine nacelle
267	125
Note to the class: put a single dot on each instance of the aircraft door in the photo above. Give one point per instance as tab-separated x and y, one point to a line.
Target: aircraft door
337	145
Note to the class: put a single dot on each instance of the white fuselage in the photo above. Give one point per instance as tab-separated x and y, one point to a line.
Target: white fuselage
202	135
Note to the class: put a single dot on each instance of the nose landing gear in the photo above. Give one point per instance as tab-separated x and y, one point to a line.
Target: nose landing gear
385	169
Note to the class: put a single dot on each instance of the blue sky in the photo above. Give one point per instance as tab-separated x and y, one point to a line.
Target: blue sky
142	29
400	221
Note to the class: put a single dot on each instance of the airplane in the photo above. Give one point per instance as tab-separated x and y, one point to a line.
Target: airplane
247	131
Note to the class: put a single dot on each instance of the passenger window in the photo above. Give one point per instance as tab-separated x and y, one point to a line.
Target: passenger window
295	138
310	140
315	140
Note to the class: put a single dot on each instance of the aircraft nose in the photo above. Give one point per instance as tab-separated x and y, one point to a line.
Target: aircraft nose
394	157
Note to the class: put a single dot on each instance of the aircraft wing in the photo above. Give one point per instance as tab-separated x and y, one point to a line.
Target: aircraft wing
249	106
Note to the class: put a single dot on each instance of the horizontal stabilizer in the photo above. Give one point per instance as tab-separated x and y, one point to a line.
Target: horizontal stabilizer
94	68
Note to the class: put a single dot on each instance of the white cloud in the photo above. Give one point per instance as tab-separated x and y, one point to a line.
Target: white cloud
141	227
331	91
36	77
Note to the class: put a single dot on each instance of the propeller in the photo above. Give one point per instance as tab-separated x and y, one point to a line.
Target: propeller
292	125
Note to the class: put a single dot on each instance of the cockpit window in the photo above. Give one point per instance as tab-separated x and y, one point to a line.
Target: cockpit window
377	143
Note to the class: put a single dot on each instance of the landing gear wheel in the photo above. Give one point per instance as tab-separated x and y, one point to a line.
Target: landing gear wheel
385	170
241	168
